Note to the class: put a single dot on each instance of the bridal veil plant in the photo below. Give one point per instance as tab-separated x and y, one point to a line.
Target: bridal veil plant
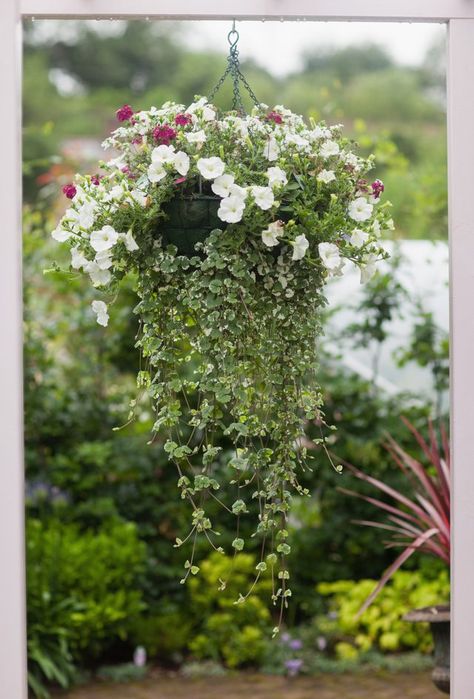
231	224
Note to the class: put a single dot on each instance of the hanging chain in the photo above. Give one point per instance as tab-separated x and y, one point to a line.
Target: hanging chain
233	69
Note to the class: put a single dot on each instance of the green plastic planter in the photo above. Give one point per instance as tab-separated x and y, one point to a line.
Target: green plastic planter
189	220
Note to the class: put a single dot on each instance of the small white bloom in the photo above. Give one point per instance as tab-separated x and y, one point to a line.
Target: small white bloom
300	245
319	132
156	172
376	228
61	234
352	160
358	237
263	196
86	215
210	168
181	162
326	176
329	148
238	191
231	209
198	137
208	114
368	268
163	154
271	234
360	209
296	139
103	259
222	185
329	254
103	239
272	149
100	309
99	277
129	240
139	196
78	260
276	176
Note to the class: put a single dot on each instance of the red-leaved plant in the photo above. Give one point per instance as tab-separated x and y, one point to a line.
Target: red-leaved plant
420	522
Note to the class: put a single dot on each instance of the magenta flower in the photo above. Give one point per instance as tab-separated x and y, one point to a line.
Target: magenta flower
95	179
164	134
183	119
275	117
377	188
69	190
124	113
126	171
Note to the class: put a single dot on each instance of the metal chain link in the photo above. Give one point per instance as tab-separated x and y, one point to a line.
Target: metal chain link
233	69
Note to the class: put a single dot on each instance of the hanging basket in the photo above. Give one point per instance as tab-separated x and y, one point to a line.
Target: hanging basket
189	220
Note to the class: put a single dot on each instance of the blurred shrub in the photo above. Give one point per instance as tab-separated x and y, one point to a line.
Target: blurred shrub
82	594
381	627
229	632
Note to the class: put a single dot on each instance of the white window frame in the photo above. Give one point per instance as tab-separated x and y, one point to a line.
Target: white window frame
459	17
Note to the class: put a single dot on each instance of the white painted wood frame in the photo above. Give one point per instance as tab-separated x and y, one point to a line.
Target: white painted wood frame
459	14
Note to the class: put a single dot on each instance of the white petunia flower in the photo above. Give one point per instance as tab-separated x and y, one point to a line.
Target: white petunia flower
61	234
210	168
368	268
358	237
181	162
208	114
129	240
360	209
231	209
222	185
319	132
276	176
156	172
198	137
103	259
86	215
238	191
271	234
272	149
329	148
99	277
326	176
78	260
162	154
296	139
352	160
100	309
329	254
139	196
263	196
103	239
300	245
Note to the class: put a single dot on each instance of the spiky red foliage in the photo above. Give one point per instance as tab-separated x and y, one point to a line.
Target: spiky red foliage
421	521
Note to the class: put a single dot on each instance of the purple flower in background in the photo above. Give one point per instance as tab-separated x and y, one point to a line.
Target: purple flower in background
293	666
295	644
139	656
285	637
321	643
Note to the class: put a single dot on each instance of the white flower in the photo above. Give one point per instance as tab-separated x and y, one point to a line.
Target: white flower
272	149
352	160
139	196
103	239
99	277
360	209
296	139
222	185
163	154
263	196
86	214
358	237
329	254
181	162
103	259
238	191
231	209
300	245
271	234
210	168
208	114
129	240
326	176
196	105
368	268
156	172
61	234
276	176
77	258
376	228
100	309
196	137
329	148
319	132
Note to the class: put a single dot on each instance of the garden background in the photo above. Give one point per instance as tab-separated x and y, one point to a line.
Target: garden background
103	510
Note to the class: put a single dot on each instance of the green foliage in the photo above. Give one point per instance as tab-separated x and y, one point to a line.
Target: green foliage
227	630
82	594
381	626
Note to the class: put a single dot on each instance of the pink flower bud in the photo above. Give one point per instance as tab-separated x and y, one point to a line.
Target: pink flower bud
69	190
